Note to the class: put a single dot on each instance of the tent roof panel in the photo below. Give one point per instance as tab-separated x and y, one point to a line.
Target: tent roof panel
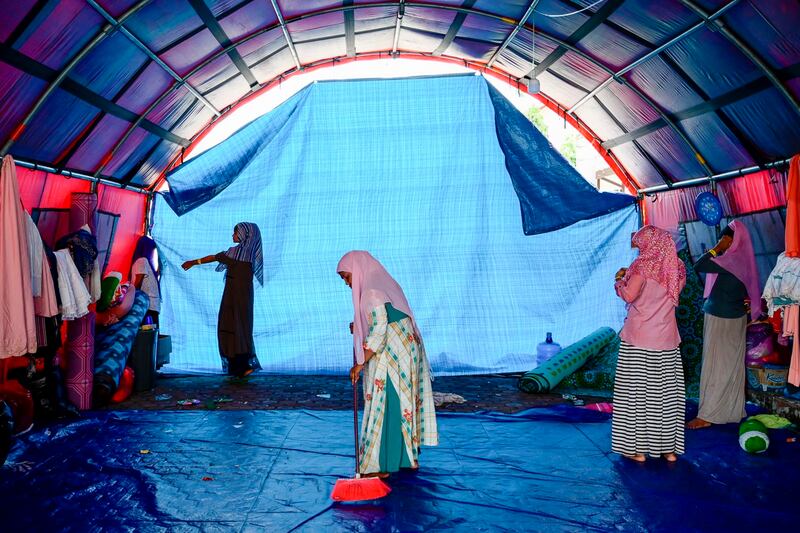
730	94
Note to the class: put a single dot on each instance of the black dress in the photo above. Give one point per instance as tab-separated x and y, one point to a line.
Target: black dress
235	322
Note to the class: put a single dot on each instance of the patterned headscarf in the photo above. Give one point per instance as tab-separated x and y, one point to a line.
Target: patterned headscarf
658	260
248	249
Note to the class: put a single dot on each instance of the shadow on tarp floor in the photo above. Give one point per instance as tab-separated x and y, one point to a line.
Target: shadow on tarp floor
545	469
497	392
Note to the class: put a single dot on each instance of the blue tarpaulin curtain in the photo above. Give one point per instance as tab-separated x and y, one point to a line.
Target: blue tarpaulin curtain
413	171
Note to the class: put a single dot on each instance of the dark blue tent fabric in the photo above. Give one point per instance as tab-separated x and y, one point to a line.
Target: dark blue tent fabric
204	177
552	195
545	470
551	192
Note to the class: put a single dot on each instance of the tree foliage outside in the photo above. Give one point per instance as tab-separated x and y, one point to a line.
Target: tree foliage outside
536	116
570	149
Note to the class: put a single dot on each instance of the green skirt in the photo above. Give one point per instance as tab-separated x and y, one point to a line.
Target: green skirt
393	455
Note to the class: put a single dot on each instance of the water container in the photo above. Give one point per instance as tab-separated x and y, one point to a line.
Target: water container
547	349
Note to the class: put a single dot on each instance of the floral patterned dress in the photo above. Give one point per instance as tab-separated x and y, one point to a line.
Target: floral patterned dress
399	414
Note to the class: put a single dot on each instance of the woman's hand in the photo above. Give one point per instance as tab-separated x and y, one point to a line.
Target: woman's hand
355	372
620	274
188	264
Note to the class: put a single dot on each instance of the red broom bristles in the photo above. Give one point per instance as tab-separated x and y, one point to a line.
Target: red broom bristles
359	489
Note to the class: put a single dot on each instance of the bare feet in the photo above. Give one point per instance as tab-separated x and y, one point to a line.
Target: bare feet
670	457
639	457
698	423
381	475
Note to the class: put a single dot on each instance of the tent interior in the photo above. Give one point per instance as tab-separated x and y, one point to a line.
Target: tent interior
138	133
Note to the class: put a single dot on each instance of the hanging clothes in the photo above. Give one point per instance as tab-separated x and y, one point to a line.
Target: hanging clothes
46	305
75	298
35	253
94	283
791	328
17	323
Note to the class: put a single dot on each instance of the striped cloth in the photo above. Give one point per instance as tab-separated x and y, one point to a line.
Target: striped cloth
648	402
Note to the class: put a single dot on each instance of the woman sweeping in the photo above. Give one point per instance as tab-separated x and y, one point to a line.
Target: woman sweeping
731	278
399	414
648	388
235	323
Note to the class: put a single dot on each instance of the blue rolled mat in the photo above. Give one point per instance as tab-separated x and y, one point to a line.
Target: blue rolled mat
546	376
112	346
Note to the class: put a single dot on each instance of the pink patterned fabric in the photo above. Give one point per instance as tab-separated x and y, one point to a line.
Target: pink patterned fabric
17	323
658	260
79	349
46	305
740	260
372	286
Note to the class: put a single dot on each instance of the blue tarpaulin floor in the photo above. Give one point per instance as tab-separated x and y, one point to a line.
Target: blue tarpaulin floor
545	469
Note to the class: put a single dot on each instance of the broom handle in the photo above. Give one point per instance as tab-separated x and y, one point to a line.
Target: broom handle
355	416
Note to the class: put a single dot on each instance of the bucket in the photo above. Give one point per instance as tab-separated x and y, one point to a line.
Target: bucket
767	378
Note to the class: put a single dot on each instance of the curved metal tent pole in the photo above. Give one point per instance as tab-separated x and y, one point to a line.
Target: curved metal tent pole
651	54
285	30
716	178
139	44
107	30
768	72
33	165
510	36
401	12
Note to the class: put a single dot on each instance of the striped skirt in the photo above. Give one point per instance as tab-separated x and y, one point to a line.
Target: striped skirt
649	402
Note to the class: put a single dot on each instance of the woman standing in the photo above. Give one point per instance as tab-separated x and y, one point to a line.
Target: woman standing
235	323
399	414
145	274
731	277
649	394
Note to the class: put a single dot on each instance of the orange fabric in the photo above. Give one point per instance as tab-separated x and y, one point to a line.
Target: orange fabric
792	207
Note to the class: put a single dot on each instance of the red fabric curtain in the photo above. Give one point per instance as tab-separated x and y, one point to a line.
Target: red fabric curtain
755	192
39	189
131	207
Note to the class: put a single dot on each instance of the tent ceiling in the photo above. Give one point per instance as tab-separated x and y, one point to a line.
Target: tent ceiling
673	90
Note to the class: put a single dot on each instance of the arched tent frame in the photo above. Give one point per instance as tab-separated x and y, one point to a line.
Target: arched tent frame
657	146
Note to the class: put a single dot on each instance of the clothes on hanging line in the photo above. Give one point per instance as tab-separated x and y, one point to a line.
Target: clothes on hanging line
75	298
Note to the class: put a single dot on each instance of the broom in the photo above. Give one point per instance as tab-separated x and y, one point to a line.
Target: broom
358	488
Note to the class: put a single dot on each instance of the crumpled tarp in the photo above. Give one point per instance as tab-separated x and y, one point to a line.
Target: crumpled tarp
545	469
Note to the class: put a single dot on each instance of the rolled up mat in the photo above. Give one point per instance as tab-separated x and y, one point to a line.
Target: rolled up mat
113	344
545	377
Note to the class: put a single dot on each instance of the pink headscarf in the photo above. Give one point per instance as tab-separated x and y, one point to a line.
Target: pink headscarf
740	260
658	260
372	287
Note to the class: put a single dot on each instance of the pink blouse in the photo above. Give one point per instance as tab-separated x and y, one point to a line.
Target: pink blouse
651	320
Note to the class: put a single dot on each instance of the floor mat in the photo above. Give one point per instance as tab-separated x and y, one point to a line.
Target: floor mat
546	469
